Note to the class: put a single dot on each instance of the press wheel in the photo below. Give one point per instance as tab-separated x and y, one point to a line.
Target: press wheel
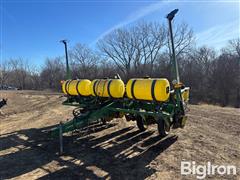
163	128
140	123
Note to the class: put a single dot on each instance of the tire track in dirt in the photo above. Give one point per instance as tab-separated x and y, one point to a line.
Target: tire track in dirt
115	151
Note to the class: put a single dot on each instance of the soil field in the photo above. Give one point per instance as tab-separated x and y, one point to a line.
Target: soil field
113	151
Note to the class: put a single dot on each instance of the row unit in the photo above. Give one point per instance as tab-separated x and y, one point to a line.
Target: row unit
141	89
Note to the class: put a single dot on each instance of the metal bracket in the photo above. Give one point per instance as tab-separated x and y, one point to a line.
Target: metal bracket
60	138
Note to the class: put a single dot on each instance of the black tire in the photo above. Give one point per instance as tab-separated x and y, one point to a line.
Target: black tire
163	129
77	112
103	120
140	124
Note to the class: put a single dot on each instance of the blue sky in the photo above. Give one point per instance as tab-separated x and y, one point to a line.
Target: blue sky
32	29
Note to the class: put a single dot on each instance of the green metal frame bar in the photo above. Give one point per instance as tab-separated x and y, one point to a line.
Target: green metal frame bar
109	107
68	72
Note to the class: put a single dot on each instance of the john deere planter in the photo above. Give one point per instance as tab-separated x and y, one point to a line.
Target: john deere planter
144	100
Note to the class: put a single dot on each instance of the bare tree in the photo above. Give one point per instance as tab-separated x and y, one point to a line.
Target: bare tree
136	47
233	50
4	73
119	46
83	61
150	38
19	70
34	78
196	70
234	46
224	77
52	73
183	39
106	69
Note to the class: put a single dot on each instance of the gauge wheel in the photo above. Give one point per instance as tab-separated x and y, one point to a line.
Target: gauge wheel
77	112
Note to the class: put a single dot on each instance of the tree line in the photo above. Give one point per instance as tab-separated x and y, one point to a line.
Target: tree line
138	51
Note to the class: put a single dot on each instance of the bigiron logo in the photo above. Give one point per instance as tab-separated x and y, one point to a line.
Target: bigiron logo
201	171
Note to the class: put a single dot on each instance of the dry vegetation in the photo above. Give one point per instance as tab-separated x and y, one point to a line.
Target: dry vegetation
138	51
116	151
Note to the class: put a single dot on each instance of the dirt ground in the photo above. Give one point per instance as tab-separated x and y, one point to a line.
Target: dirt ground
114	151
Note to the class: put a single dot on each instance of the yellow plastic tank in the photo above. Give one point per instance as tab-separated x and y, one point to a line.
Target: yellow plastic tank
185	94
148	89
79	87
114	88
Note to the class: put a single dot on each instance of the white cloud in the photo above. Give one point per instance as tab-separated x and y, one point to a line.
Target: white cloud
133	17
218	35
